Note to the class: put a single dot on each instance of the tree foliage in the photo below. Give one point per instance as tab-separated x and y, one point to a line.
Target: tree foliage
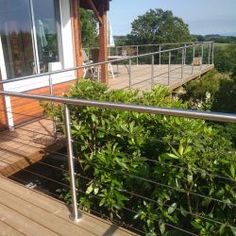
159	26
225	58
88	28
172	163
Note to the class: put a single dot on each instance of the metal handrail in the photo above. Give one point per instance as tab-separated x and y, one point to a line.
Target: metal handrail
155	44
75	215
125	58
212	116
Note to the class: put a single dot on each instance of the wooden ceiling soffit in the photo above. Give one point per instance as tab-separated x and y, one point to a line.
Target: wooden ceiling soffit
85	4
95	10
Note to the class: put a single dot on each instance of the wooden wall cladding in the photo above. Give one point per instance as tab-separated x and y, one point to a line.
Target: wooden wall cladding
25	110
3	120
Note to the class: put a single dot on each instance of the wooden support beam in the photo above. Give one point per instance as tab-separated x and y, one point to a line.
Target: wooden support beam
92	5
103	41
75	12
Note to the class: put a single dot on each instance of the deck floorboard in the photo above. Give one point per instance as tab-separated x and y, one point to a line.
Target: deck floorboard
141	76
27	212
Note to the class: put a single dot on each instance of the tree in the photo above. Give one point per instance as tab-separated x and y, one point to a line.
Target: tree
158	26
88	28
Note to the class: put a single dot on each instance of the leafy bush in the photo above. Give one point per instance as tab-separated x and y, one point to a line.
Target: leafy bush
196	90
150	171
225	58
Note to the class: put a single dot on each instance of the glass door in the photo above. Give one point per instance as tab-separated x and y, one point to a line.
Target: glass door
46	20
16	36
31	36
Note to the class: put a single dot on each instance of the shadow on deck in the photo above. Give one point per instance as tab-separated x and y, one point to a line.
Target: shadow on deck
26	145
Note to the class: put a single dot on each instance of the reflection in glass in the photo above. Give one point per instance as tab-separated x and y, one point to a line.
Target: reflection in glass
46	19
16	37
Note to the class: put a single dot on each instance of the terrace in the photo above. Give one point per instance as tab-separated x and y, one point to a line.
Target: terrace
30	143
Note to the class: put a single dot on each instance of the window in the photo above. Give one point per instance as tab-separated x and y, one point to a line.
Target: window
30	35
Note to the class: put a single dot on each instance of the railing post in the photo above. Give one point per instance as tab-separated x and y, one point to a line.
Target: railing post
209	53
50	84
75	214
137	53
169	65
182	66
194	52
159	54
51	93
185	53
213	54
202	56
152	72
130	75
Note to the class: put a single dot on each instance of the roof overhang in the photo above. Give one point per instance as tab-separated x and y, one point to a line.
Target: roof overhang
97	3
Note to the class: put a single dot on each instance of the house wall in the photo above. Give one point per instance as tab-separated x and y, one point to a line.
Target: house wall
19	110
3	120
24	110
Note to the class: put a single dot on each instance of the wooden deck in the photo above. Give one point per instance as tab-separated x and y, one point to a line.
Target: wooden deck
27	212
141	76
25	145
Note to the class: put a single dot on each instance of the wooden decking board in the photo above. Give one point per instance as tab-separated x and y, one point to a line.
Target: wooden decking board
141	76
21	223
6	230
34	213
25	146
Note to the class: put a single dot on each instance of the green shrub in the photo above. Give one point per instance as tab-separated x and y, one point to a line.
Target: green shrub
151	171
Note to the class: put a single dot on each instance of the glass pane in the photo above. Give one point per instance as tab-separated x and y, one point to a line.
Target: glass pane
47	24
15	31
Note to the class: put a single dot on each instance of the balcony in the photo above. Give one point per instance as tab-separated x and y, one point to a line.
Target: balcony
31	143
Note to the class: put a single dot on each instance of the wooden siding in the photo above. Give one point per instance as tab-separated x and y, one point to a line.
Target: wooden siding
27	109
3	120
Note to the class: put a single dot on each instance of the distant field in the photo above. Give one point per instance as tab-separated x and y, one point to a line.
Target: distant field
223	44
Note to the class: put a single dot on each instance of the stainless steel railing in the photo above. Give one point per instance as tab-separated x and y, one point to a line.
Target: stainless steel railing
133	49
212	116
160	57
75	215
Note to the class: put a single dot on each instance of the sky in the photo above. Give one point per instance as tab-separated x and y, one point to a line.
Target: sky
202	16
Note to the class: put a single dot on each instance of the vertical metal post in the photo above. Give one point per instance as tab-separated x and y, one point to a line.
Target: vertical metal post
51	93
182	66
152	72
50	84
209	54
137	53
202	57
159	54
75	214
213	54
194	52
169	65
130	75
116	49
185	54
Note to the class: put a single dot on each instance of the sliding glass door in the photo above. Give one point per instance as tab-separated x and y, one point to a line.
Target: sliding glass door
47	25
17	40
30	34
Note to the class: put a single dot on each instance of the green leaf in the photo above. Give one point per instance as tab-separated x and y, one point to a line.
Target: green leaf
96	190
232	170
181	150
172	155
162	227
89	189
172	208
